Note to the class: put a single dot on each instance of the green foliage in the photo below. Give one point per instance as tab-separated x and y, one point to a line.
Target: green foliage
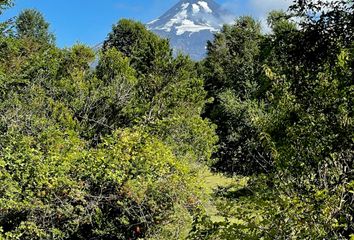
166	86
330	20
255	211
193	138
105	153
123	150
232	57
148	53
4	4
232	69
63	189
4	26
30	24
296	116
126	35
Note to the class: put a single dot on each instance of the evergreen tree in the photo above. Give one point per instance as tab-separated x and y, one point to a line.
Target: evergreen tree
232	72
31	24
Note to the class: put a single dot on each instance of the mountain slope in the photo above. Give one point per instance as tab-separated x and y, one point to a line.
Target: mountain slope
190	24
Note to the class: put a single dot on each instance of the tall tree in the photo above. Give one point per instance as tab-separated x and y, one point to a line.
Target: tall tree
232	71
327	26
31	24
145	49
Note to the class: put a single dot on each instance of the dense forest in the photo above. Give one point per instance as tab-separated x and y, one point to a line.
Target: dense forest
132	142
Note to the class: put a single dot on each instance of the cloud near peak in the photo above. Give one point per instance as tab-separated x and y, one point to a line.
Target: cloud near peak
258	9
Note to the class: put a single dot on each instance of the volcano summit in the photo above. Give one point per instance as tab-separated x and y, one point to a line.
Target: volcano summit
190	24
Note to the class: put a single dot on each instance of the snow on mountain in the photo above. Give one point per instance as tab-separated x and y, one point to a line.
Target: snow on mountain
190	24
205	6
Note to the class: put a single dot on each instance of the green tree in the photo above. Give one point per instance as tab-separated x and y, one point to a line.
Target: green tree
4	4
232	73
146	50
32	25
5	27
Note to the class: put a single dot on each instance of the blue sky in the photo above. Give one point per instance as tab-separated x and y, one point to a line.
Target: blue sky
89	21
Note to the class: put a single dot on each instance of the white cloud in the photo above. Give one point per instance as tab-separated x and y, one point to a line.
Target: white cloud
262	7
258	9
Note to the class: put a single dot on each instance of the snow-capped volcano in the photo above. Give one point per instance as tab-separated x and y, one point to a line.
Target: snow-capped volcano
190	24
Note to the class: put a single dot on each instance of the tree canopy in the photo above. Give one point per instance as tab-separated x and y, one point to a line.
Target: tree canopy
32	25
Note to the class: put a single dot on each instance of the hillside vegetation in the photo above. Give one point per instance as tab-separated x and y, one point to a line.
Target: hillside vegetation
254	142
